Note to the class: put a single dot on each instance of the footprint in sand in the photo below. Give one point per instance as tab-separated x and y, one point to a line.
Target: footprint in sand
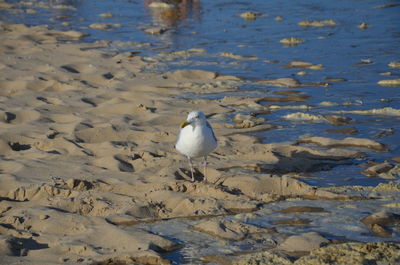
102	134
80	68
8	167
116	163
12	88
50	100
64	118
20	116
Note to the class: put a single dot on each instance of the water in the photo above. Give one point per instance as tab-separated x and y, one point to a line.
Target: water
216	27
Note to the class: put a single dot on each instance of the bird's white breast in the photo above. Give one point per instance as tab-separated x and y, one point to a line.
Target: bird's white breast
196	141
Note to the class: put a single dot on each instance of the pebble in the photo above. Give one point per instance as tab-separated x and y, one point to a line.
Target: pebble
249	16
390	82
156	30
394	64
44	217
363	26
292	41
316	23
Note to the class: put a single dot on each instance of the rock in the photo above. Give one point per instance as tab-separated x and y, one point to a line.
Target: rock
260	258
250	15
161	5
238	57
387	187
388	111
288	98
390	82
304	209
104	26
335	79
183	53
376	170
292	222
384	132
301	73
43	217
363	26
350	130
394	64
298	64
106	15
316	23
246	121
383	217
155	30
337	120
354	253
380	231
226	229
379	221
74	35
396	159
282	82
348	142
192	74
332	119
304	242
291	41
302	117
122	219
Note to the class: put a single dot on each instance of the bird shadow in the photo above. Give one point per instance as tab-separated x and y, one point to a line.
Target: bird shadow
184	174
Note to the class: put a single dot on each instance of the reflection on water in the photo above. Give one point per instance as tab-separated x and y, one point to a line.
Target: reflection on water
170	12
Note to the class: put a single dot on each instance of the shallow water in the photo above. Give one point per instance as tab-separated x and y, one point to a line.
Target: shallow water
345	51
340	223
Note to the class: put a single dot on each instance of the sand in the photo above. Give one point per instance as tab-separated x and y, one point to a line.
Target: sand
87	147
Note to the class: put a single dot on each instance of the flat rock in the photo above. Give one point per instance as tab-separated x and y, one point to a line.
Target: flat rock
304	209
348	142
349	130
227	229
281	82
376	170
192	74
304	242
292	222
382	218
387	111
292	41
389	82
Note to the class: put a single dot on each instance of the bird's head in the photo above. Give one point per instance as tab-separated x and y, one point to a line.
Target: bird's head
194	117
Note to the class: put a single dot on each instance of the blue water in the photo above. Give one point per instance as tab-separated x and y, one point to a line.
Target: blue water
217	27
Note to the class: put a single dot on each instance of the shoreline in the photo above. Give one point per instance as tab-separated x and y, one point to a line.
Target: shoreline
87	142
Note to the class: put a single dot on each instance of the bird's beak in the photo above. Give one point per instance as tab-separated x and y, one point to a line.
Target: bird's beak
184	124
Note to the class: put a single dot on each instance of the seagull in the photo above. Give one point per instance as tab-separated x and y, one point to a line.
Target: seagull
196	139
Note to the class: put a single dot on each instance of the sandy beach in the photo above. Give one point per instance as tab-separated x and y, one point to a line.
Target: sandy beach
87	149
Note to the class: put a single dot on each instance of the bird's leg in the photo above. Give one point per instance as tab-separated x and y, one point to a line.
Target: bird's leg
205	168
191	168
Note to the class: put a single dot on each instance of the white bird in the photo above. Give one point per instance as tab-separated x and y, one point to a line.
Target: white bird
196	139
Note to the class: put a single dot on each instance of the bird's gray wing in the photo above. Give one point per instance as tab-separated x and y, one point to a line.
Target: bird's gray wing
209	126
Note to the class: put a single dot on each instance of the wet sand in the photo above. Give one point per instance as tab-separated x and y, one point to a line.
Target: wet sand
87	145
